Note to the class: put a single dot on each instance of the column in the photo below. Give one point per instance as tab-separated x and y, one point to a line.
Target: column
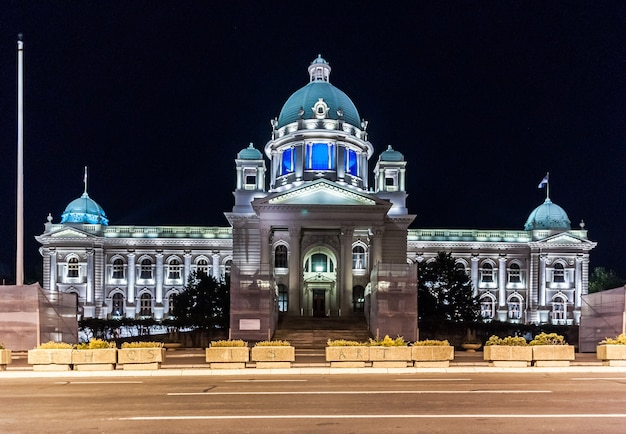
130	292
474	273
542	281
344	288
158	307
265	247
53	270
215	269
502	281
377	246
89	310
296	301
186	266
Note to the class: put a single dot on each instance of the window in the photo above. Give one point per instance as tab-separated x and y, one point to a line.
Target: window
170	303
559	308
118	269
145	305
486	273
320	156
487	307
280	256
287	161
250	179
283	298
351	162
514	274
227	266
391	180
173	269
72	267
146	269
559	273
117	308
203	266
515	308
358	299
358	258
320	263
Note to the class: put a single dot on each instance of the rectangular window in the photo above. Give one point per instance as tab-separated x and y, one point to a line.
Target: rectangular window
287	162
320	156
351	162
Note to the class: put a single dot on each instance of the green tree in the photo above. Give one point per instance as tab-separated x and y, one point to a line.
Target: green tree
445	292
602	279
203	304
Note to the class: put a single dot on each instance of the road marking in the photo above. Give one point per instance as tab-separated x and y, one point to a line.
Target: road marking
98	382
600	378
383	416
433	379
264	381
363	392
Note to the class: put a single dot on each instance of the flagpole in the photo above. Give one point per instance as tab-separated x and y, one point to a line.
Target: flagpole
19	256
548	186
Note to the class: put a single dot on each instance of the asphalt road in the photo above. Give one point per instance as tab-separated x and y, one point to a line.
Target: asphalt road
464	403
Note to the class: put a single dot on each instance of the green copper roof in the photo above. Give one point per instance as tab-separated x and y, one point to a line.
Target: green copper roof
250	153
548	215
390	155
84	210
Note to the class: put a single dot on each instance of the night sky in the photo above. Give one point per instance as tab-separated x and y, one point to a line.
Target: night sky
157	97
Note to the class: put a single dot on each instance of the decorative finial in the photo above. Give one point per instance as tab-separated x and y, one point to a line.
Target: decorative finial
49	218
20	37
582	224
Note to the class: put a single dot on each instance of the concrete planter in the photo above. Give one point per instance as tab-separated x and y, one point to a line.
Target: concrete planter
5	359
227	357
436	356
508	356
103	359
552	355
347	357
390	357
141	358
50	359
611	355
273	357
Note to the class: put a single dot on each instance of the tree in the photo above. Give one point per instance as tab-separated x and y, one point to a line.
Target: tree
204	303
602	279
445	292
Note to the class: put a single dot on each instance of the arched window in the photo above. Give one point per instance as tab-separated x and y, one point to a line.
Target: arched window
145	304
117	308
170	303
146	269
283	298
358	299
72	267
515	275
515	308
320	263
487	306
559	308
486	273
227	266
118	269
558	275
203	266
358	258
173	269
280	256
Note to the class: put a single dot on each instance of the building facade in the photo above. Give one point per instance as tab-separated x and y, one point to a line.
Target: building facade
309	236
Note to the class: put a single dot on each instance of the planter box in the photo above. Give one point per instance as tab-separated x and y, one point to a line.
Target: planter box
273	357
436	356
141	358
390	357
347	357
50	359
611	355
552	355
5	359
94	360
227	357
508	356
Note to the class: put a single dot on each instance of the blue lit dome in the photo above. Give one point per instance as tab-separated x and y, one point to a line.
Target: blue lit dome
84	210
250	153
548	215
301	103
390	155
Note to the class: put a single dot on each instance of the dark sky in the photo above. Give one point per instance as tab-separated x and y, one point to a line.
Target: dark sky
157	97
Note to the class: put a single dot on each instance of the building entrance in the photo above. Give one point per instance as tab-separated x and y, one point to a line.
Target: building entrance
319	302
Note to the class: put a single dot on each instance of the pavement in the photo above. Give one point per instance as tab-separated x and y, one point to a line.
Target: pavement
191	361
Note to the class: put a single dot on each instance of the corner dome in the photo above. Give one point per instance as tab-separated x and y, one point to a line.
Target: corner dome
390	155
548	215
300	103
250	153
84	210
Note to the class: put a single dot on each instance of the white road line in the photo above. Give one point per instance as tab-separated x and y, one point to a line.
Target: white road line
264	381
363	392
599	378
98	382
433	379
384	416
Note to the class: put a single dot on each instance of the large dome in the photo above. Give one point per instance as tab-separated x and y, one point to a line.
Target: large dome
548	215
84	210
301	102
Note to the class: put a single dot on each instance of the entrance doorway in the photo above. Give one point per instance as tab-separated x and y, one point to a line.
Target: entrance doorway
319	303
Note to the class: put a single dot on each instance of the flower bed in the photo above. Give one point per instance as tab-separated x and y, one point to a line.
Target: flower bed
273	354
612	351
141	355
227	354
432	354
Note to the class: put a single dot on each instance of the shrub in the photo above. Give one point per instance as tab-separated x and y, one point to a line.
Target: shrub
272	344
548	339
618	340
55	346
142	345
95	344
229	343
387	342
513	341
344	343
431	343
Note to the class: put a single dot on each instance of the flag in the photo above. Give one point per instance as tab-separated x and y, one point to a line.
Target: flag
544	181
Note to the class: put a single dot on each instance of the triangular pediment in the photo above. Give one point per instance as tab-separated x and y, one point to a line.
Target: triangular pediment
321	192
69	233
564	238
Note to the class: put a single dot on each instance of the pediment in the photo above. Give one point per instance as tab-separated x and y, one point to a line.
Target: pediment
321	192
69	233
563	238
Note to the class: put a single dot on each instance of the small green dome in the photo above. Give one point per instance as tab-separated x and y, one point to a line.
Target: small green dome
390	155
548	215
84	210
250	153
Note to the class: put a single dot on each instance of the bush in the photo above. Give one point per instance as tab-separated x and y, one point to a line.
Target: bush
55	346
513	341
548	339
142	345
618	340
344	343
272	344
95	344
228	343
431	343
387	342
